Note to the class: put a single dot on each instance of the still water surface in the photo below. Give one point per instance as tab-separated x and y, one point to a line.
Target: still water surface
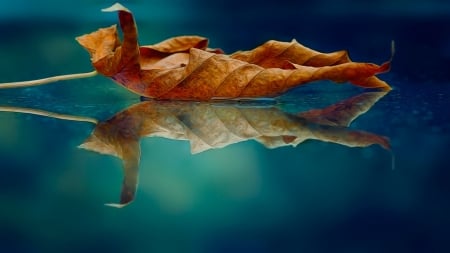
240	194
317	196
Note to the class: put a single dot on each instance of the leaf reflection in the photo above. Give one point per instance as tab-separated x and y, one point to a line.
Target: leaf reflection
216	125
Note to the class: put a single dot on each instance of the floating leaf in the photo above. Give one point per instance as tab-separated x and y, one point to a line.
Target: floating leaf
183	68
212	125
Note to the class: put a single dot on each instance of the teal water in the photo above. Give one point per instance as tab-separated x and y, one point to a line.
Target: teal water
316	197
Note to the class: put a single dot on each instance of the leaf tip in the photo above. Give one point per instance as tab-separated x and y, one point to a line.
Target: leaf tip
116	7
385	67
115	205
385	88
392	49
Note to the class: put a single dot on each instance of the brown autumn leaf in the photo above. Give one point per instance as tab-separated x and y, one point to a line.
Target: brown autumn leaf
184	68
212	125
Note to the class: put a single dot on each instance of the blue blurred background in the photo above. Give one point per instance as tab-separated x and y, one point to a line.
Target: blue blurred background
318	197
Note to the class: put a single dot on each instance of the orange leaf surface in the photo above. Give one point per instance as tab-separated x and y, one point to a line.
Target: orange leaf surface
208	126
184	68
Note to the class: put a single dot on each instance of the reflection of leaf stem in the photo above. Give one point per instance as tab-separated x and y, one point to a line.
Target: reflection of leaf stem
48	114
47	80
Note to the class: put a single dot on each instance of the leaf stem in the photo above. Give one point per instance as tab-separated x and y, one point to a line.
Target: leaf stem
48	114
47	80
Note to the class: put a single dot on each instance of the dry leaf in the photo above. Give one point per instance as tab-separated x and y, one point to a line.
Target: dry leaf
275	54
214	125
184	68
